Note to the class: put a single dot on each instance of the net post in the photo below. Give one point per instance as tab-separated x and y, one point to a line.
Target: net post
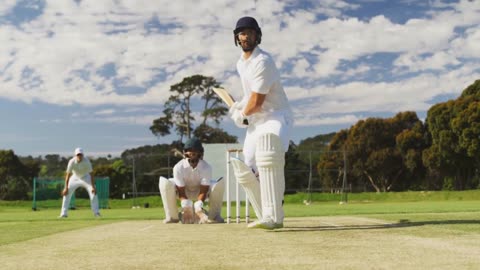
344	182
34	203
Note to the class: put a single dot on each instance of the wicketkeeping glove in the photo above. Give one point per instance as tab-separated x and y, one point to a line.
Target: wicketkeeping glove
201	216
198	206
187	212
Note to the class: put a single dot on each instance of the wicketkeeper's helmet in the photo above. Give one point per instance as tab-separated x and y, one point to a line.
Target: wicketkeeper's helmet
247	22
193	144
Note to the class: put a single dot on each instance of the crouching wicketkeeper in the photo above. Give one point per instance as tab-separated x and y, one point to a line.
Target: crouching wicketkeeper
192	184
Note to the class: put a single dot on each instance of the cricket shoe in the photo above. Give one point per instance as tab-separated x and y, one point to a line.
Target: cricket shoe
62	216
216	219
266	225
97	215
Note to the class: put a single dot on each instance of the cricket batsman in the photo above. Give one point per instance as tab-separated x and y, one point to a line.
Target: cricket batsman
192	184
267	117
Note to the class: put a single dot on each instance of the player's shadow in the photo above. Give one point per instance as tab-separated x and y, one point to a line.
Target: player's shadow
400	224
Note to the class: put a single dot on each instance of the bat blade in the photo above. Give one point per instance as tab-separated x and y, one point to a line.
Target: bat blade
177	153
224	95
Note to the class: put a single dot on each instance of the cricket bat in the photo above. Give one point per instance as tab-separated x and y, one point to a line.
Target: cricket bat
227	98
224	95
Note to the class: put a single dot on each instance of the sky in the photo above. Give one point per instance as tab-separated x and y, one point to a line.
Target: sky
96	73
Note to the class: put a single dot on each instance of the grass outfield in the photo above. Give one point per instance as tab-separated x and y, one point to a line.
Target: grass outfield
442	231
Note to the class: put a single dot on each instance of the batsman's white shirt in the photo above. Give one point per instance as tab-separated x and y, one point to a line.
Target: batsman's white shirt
259	74
79	169
191	178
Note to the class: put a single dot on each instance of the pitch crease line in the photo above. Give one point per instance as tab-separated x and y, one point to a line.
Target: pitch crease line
372	221
330	224
146	228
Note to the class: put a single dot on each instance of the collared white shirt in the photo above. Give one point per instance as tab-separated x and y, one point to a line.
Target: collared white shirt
259	74
191	178
79	169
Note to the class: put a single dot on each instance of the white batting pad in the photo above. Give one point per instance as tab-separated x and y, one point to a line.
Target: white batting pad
215	199
250	184
270	156
169	198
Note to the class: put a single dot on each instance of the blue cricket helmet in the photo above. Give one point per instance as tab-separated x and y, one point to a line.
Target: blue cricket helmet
250	23
194	144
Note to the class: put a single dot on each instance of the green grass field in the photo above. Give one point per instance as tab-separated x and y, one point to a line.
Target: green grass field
412	230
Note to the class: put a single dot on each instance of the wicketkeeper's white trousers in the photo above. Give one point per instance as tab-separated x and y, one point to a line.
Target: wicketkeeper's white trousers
170	196
74	183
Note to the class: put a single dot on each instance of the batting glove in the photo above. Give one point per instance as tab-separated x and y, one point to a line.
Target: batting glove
238	117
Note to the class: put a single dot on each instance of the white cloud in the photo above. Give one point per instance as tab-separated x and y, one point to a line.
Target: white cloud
67	46
438	61
356	71
469	45
414	94
305	121
105	112
143	120
6	6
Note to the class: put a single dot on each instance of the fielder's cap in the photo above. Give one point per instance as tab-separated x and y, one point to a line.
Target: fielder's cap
78	151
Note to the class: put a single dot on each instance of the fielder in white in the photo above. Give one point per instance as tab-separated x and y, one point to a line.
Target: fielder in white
192	184
265	113
78	174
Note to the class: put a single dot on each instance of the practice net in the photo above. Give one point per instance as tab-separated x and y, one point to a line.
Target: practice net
47	193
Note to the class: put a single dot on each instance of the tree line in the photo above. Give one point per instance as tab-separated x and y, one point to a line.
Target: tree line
404	153
380	154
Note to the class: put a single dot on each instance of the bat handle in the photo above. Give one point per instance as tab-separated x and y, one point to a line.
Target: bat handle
245	122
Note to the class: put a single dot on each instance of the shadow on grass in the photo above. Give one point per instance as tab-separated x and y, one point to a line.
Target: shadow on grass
400	224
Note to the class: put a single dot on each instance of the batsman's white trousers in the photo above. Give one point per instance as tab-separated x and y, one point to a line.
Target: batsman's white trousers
169	197
277	123
74	183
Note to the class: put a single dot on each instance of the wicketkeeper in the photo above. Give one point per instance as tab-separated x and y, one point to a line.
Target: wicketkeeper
265	113
192	184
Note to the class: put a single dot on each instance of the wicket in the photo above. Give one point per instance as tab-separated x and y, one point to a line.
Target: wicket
237	190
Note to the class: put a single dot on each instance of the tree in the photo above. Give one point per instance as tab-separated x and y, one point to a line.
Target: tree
120	177
150	161
179	109
296	170
377	152
32	166
411	143
14	181
209	134
53	165
454	154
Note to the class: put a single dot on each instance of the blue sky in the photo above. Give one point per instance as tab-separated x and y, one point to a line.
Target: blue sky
95	73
